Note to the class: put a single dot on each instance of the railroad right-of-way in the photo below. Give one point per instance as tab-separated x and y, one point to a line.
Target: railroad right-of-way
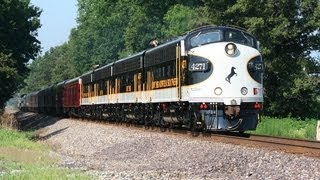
112	151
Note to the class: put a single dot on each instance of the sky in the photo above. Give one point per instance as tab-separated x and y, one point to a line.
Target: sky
58	17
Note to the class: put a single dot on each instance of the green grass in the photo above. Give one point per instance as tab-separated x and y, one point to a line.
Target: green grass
287	127
20	140
22	158
16	170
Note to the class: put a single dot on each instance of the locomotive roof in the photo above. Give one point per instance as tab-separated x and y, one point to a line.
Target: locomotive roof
215	27
202	28
33	93
178	39
103	67
87	73
62	83
72	80
130	57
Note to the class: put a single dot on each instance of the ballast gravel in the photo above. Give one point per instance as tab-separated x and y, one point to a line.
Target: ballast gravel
110	151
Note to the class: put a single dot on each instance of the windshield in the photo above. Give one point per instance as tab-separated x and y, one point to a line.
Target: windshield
205	38
221	35
239	37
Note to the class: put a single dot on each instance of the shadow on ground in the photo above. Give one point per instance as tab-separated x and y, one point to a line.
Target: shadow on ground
27	121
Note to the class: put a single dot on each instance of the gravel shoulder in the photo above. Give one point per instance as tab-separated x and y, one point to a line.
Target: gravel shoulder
117	152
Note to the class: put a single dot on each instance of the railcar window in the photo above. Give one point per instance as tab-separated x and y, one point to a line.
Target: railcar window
101	87
85	88
164	71
239	37
92	87
205	38
169	71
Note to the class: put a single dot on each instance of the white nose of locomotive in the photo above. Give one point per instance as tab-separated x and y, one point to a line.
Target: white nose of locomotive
236	82
235	73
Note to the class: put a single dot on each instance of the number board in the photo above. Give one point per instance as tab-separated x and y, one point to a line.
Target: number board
198	66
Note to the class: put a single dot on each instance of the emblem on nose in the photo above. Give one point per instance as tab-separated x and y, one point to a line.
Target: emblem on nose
232	73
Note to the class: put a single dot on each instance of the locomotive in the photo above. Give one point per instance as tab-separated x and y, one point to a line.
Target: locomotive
209	79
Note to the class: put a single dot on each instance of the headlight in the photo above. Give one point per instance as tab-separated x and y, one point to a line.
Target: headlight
244	91
231	49
218	91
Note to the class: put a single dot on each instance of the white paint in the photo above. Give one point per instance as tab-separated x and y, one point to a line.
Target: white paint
222	65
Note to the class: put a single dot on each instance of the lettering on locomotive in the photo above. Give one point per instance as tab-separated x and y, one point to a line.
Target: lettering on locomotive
172	82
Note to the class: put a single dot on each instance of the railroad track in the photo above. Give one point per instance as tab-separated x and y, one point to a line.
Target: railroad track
294	146
287	141
288	145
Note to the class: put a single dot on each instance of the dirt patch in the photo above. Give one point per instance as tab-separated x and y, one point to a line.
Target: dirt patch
8	120
25	156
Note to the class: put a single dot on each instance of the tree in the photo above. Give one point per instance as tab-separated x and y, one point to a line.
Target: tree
60	69
19	22
180	18
288	31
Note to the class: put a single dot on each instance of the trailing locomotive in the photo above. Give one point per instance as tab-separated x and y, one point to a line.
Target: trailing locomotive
208	79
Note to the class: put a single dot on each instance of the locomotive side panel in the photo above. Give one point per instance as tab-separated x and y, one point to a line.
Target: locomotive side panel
162	72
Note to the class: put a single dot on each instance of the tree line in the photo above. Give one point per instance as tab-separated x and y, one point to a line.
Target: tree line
19	21
288	31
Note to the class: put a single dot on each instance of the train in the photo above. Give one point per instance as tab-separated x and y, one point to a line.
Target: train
209	79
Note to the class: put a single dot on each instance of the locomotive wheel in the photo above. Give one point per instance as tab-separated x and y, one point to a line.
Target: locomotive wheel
100	114
149	118
205	130
162	124
147	122
123	118
194	126
195	130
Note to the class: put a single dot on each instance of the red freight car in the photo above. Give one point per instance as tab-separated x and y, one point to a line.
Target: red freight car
71	96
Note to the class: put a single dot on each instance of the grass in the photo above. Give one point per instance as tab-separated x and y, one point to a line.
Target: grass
15	170
287	127
22	158
20	140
